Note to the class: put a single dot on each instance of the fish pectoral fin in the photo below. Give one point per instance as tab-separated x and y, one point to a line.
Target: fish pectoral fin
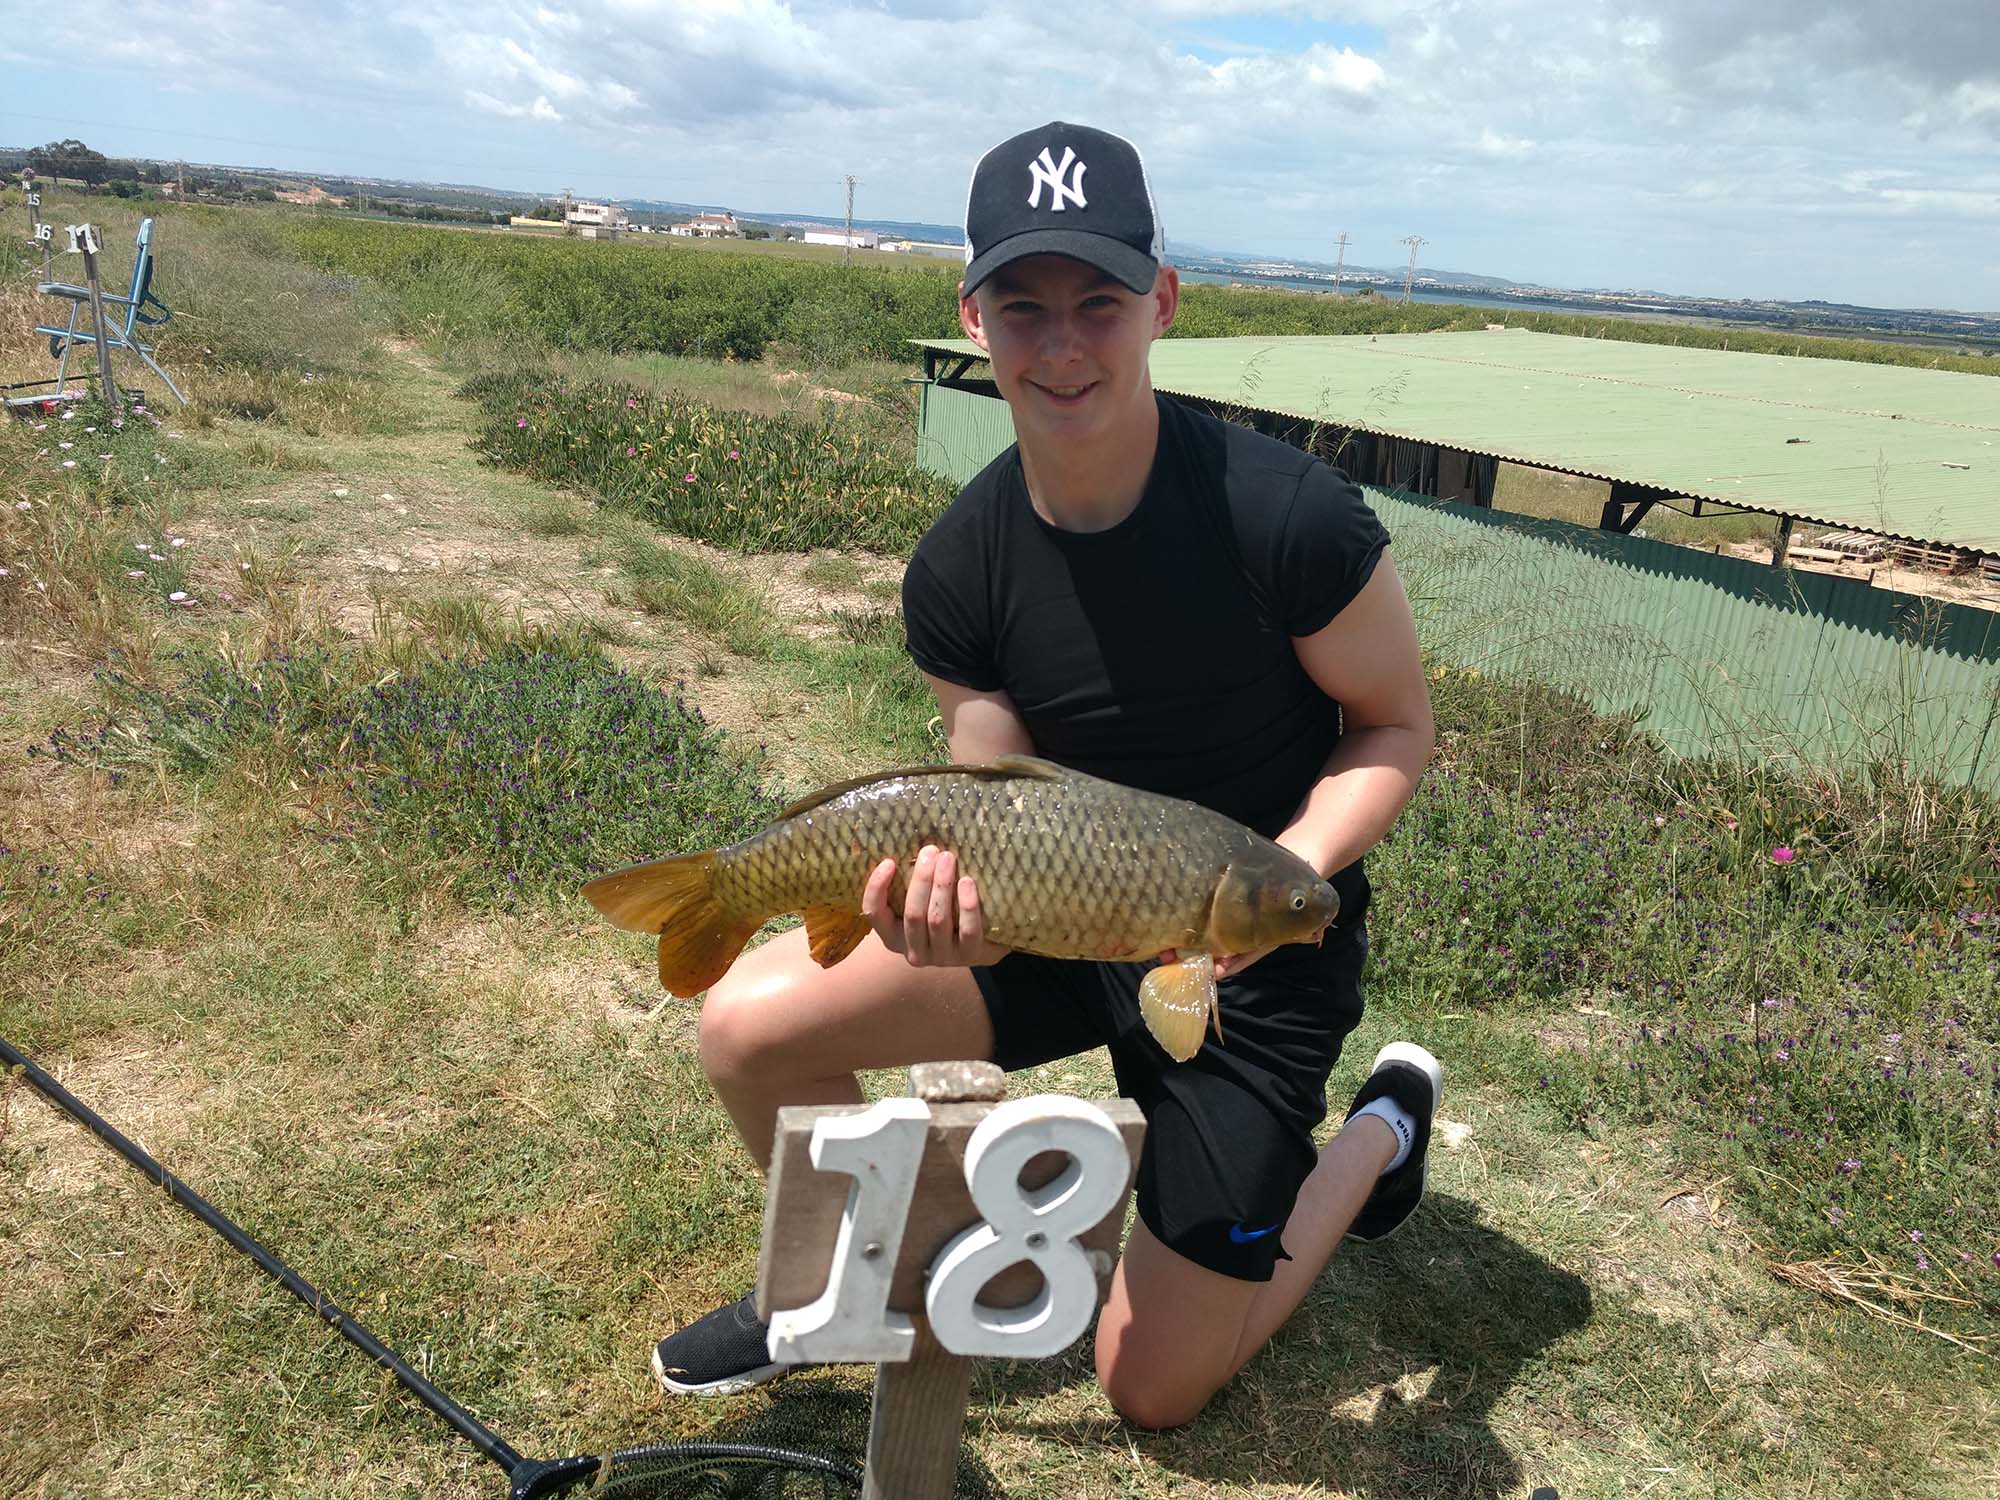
834	931
1177	1001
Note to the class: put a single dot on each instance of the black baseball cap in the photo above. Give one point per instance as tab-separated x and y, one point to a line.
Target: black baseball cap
1063	189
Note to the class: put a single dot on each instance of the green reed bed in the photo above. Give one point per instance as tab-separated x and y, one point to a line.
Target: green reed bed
756	484
702	300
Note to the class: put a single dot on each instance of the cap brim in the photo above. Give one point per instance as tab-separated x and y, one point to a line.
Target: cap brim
1129	267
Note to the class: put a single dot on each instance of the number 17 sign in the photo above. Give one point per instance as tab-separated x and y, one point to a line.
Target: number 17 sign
997	1223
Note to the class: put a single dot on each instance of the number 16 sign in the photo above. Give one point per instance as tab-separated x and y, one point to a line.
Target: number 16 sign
999	1223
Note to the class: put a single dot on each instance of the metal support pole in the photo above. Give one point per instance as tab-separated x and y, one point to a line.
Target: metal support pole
87	242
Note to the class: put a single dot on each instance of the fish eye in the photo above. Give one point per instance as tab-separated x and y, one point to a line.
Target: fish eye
1298	900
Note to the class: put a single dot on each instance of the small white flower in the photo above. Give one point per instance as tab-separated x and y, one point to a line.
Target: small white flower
244	566
135	572
90	429
69	463
41	427
180	541
65	445
67	415
24	505
118	422
42	586
6	572
105	456
177	595
142	546
340	494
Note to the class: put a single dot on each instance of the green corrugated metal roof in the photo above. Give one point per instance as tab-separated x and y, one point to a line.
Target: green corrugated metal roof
1902	452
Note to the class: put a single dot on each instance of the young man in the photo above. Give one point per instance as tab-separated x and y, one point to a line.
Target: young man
1159	598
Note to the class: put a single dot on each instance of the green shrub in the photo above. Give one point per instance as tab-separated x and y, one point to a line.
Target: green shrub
531	771
758	484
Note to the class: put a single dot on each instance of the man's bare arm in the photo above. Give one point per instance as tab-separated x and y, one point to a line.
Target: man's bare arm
1368	661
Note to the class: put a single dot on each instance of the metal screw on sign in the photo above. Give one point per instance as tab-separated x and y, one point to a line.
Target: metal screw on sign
83	241
964	1226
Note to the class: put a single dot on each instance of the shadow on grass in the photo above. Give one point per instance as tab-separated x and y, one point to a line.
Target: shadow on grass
1382	1382
1384	1379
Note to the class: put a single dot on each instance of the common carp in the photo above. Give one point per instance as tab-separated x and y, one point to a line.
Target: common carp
1067	865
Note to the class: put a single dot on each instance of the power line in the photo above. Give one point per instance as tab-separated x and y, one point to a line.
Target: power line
1340	262
847	240
1413	241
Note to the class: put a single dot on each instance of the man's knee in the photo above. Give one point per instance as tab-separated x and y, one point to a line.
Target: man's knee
1147	1395
748	1022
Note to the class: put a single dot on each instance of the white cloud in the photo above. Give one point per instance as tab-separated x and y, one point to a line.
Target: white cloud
540	109
1492	143
1633	141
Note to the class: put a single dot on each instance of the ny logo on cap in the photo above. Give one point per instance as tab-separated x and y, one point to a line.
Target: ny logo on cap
1045	172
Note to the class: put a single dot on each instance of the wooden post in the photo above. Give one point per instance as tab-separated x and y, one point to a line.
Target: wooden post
813	1217
1782	545
918	1414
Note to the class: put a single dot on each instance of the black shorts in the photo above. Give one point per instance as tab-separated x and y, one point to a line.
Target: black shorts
1229	1133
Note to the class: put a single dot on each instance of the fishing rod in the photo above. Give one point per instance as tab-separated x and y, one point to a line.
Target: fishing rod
646	1473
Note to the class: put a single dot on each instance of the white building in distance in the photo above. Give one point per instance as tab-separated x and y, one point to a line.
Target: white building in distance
596	221
707	227
860	239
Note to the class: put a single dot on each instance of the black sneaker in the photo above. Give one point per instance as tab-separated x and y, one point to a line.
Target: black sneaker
1410	1077
717	1355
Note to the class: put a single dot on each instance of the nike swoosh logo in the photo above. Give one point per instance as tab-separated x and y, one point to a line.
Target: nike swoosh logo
1244	1236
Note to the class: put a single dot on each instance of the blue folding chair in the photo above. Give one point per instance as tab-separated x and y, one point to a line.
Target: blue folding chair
140	308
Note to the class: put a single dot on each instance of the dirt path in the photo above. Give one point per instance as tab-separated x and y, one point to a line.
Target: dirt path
396	524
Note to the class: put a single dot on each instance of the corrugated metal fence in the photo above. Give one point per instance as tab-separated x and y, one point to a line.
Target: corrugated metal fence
1719	655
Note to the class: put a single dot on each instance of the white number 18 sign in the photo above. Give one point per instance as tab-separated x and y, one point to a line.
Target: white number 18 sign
882	1149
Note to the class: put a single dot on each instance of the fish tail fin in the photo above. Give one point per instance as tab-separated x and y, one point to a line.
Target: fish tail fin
1177	1001
699	937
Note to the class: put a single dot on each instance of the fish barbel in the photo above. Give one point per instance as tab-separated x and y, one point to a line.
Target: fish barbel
1067	865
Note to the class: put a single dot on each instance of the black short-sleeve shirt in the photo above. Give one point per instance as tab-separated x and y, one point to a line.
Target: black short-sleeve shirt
1158	653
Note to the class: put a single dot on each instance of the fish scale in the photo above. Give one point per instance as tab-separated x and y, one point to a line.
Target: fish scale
1066	865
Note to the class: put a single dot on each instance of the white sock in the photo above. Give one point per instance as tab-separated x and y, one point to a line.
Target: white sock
1392	1114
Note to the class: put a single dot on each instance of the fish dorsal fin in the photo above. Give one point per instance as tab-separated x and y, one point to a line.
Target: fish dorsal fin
1029	765
1002	768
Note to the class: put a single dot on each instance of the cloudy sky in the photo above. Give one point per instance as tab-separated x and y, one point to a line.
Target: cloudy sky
1840	149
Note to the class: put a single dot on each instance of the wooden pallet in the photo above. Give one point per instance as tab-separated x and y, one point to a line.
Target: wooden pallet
1856	546
1989	568
1930	555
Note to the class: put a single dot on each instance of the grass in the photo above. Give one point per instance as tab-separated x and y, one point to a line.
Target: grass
470	1115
